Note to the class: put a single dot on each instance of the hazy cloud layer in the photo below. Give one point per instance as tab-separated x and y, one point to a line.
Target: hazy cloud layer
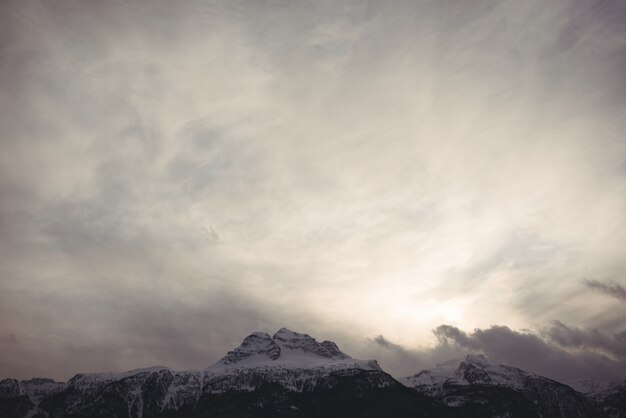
175	176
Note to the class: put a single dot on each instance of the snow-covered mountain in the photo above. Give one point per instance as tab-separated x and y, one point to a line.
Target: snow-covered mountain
287	350
287	374
293	360
481	388
293	375
592	386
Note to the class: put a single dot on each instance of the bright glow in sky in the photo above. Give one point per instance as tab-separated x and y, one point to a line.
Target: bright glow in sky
174	176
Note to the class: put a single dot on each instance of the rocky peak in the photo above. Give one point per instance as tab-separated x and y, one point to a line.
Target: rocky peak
287	337
255	344
472	370
284	345
296	342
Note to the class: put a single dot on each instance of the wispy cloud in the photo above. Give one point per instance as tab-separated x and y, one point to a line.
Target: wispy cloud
347	170
608	288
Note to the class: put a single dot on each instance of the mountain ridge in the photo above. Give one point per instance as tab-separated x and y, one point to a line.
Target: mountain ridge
290	374
490	389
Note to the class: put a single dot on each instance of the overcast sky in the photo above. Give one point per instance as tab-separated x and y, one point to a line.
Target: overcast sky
414	180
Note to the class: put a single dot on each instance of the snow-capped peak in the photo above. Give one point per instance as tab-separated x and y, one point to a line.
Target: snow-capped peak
492	390
473	369
293	360
292	342
288	349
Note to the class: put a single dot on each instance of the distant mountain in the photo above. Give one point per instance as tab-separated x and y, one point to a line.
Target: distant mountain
479	388
609	395
285	375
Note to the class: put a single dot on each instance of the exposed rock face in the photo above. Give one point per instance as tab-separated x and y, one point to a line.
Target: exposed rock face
285	344
334	351
258	343
295	341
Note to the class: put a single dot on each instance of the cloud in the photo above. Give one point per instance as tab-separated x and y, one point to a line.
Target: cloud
383	342
444	333
559	352
350	169
402	361
589	339
608	288
8	339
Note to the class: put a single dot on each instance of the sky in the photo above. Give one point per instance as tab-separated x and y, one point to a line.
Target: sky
414	180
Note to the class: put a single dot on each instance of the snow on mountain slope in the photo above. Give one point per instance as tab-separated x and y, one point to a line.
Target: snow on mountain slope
486	389
296	361
473	370
592	386
287	349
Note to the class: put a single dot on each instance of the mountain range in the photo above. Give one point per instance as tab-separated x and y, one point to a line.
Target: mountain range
291	374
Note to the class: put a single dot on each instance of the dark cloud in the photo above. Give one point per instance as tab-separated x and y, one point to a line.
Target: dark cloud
383	342
591	339
561	352
402	361
448	332
613	289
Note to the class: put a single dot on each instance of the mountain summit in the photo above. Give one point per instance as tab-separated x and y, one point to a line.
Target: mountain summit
294	360
285	348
